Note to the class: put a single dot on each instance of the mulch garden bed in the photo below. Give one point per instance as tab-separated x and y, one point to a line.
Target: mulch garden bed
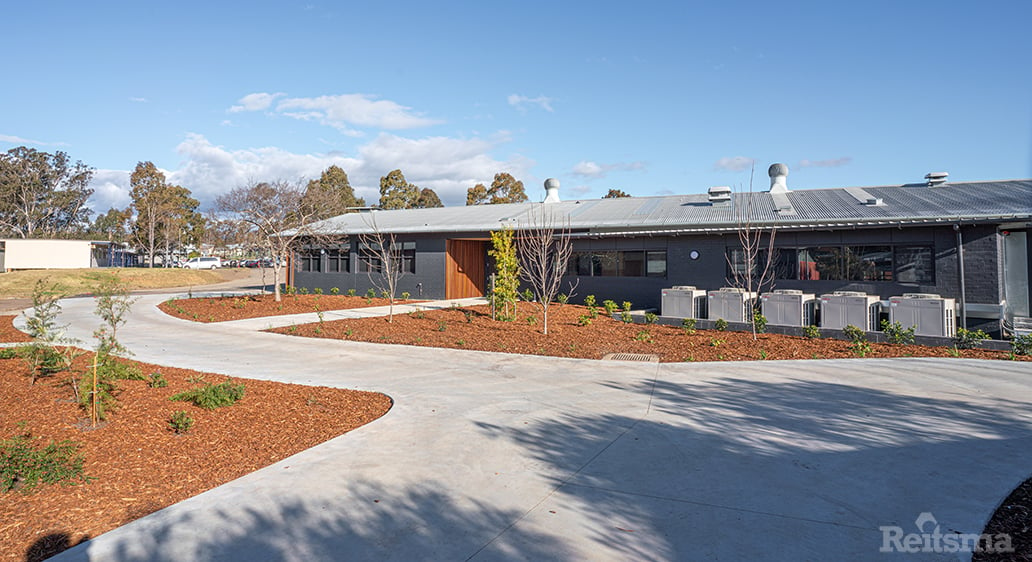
137	463
221	309
473	328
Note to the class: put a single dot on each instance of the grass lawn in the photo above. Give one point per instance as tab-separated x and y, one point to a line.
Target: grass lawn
19	284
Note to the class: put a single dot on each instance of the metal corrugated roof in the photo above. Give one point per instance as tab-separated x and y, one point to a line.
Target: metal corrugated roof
915	203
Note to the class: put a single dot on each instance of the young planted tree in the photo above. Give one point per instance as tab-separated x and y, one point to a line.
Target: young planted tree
43	356
544	247
277	215
97	389
384	262
507	277
752	262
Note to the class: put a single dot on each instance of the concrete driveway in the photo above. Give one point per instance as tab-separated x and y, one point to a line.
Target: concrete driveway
500	457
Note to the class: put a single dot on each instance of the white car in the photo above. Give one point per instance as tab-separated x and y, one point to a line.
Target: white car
203	263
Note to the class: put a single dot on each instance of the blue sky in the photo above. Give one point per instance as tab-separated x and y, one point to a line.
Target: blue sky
649	97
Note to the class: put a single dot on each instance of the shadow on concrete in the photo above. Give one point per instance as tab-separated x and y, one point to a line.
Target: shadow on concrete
804	469
367	523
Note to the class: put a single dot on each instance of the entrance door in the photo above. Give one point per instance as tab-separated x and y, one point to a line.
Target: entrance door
465	269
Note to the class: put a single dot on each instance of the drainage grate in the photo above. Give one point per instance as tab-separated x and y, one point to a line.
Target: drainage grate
644	357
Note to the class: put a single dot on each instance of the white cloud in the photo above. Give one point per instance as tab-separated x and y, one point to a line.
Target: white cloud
595	170
734	163
19	140
520	102
138	100
576	190
349	110
833	163
110	189
255	102
449	166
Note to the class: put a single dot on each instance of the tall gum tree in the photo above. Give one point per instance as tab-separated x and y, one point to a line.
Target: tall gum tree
43	195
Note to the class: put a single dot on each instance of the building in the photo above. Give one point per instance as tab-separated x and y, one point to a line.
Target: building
27	253
885	240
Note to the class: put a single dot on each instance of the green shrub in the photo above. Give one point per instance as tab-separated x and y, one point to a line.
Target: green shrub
442	325
720	324
589	301
859	345
562	298
759	321
531	320
211	396
335	290
42	359
1022	345
370	294
627	306
405	295
528	295
854	334
351	292
644	336
610	306
584	320
111	368
896	333
8	353
317	291
651	317
180	422
688	324
812	331
626	317
969	339
157	380
24	465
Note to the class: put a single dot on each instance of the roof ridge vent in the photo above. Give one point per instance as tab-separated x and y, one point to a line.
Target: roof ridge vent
936	178
719	195
923	296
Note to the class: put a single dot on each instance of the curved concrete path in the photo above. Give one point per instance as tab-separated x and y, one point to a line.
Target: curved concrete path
490	456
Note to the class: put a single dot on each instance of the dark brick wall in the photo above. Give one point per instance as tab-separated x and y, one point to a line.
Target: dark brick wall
981	254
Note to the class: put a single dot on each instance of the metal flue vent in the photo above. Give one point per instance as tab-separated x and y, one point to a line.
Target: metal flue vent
936	178
719	195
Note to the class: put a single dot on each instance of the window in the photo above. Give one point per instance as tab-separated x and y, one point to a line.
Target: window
408	257
783	265
914	264
337	260
631	263
903	264
655	263
310	260
369	258
868	263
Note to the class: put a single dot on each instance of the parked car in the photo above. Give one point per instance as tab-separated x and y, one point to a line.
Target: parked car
203	263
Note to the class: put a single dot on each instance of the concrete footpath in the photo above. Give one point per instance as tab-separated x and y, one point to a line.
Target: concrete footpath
489	456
